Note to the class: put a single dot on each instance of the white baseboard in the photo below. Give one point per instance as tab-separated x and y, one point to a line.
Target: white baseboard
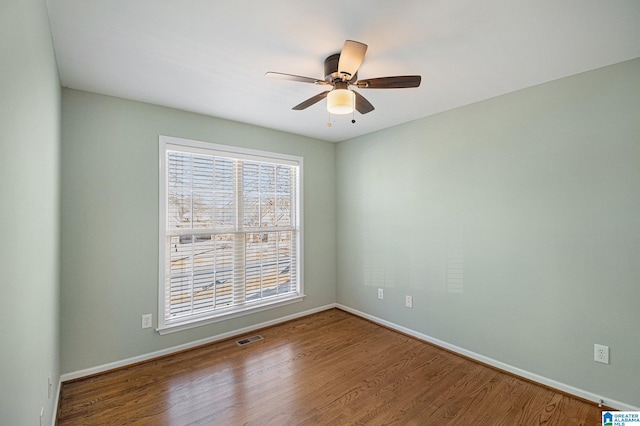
168	351
56	401
497	364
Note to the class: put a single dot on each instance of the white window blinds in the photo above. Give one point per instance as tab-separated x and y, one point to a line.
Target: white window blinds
230	232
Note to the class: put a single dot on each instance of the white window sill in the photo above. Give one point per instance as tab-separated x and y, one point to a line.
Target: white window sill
233	312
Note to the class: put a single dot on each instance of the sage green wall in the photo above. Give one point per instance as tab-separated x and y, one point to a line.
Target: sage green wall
109	256
515	225
29	213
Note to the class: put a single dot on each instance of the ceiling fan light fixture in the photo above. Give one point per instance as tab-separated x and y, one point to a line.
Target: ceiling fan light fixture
341	101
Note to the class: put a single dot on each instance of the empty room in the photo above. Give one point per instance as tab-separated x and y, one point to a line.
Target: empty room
292	212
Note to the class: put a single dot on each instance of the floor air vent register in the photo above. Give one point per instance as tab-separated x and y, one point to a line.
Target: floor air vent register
248	340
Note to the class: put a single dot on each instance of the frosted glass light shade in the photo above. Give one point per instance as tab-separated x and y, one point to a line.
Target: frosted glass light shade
341	101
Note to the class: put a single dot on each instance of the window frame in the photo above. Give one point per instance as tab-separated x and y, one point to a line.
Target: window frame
169	143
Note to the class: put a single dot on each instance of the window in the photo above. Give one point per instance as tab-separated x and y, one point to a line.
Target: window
230	234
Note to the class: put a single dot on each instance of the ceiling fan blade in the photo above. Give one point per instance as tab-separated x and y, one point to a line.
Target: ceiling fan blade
351	58
312	100
397	82
291	77
362	104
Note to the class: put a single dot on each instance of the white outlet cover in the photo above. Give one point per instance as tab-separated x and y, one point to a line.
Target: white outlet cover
601	353
146	321
408	301
380	293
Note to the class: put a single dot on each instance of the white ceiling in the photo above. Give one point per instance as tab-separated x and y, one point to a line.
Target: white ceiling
210	56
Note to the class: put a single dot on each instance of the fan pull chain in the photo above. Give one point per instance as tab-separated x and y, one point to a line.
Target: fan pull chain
329	122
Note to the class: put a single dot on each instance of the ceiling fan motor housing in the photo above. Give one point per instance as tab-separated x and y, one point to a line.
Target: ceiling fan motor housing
331	73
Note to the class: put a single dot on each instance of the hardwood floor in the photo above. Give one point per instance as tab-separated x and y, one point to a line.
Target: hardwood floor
331	368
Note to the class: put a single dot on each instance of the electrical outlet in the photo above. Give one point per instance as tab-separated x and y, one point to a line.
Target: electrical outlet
601	353
146	321
380	293
49	385
408	301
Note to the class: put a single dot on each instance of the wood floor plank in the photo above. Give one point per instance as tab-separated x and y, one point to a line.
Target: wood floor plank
328	368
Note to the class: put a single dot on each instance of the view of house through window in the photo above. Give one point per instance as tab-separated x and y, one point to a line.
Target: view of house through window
230	231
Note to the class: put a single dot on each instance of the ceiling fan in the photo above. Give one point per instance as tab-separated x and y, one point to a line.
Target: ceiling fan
341	73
